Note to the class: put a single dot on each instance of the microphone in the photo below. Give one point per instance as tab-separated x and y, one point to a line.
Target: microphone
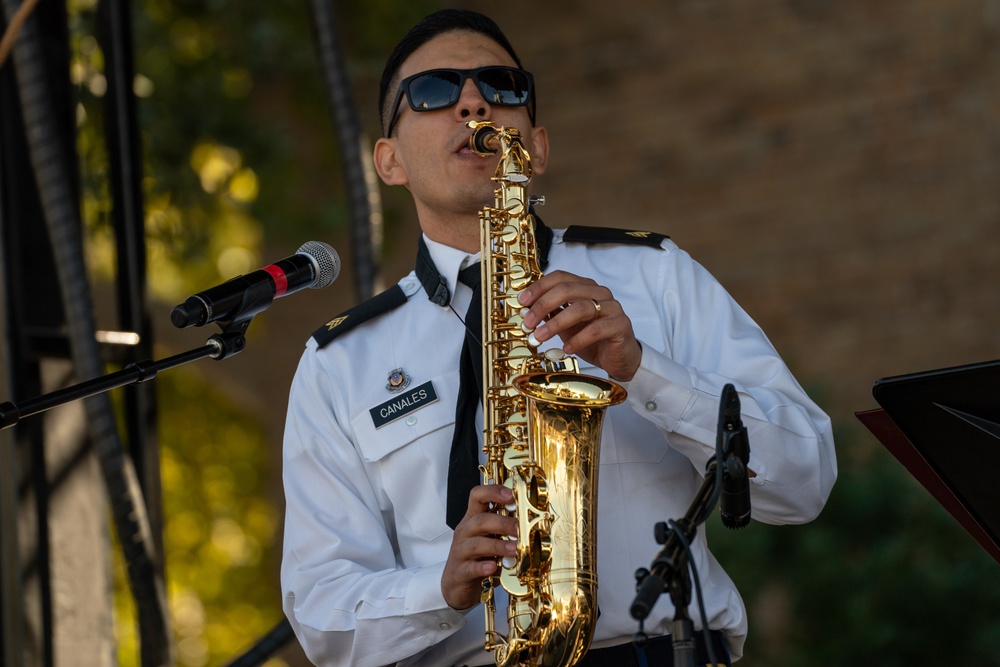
315	264
734	503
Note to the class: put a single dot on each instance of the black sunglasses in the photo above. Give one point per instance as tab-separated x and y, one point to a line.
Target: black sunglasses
441	88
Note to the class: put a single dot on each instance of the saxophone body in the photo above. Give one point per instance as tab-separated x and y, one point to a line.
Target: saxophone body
542	429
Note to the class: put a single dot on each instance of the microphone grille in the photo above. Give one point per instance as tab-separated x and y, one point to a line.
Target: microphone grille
327	262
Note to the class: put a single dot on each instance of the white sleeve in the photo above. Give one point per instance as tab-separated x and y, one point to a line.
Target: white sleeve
709	342
345	595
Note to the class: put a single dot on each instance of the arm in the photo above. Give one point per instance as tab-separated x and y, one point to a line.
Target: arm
707	341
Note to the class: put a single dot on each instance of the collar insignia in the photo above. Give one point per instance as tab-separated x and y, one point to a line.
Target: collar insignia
398	380
335	322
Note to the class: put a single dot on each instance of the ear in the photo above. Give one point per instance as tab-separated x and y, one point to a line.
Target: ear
539	149
387	163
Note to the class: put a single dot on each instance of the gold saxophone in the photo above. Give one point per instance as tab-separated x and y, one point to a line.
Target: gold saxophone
542	430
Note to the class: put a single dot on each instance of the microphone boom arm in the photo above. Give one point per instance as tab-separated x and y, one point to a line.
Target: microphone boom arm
230	341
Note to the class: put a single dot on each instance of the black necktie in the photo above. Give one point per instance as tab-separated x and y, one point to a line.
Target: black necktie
463	466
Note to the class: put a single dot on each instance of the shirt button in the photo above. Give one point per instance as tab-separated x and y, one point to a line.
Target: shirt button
445	626
410	421
650	405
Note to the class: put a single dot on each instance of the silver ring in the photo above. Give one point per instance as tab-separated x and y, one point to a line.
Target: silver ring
597	308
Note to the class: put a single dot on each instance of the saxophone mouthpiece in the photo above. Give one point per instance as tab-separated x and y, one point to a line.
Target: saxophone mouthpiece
483	139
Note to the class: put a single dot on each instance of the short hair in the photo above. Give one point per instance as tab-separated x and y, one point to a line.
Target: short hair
438	23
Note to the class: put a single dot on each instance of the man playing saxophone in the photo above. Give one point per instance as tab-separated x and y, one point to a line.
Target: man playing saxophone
373	571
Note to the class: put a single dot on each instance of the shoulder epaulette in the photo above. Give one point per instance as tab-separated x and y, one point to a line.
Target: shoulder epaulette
377	305
581	234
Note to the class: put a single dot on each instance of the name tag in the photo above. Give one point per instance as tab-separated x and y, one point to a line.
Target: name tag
402	405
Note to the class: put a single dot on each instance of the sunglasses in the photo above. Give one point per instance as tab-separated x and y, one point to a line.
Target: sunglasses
441	88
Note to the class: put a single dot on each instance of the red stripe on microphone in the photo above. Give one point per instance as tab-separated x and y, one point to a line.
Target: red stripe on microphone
280	280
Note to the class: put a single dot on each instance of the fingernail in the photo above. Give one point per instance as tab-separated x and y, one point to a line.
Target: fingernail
524	297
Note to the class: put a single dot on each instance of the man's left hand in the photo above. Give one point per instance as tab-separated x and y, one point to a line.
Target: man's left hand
588	319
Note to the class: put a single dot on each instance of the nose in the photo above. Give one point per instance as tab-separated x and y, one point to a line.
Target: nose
471	105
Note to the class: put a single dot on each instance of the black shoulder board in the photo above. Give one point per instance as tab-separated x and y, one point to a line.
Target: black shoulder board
377	305
580	234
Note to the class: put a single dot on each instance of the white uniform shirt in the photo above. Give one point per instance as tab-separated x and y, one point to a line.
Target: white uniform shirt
365	532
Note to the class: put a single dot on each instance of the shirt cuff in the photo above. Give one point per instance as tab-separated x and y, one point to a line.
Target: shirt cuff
661	389
424	596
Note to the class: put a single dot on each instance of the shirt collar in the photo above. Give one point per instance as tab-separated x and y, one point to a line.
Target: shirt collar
438	266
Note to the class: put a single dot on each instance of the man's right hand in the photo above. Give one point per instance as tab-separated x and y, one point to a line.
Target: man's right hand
477	546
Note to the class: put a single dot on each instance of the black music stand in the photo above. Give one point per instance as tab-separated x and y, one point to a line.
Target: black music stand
944	427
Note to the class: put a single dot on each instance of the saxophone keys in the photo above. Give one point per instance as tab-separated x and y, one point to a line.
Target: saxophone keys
509	234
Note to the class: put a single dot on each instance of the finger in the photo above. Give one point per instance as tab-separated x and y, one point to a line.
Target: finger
485	524
595	331
549	293
485	497
579	316
483	547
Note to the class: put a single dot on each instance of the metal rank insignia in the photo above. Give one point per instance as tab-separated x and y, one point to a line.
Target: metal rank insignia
398	380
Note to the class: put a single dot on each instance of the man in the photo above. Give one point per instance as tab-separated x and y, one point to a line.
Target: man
372	573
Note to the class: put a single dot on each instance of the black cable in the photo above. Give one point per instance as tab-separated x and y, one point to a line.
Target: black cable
697	588
257	654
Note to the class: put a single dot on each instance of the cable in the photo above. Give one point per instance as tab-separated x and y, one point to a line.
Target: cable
697	587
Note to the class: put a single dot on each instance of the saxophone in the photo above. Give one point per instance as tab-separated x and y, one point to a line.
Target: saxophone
542	429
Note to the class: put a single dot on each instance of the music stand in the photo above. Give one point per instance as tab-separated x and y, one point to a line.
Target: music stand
944	427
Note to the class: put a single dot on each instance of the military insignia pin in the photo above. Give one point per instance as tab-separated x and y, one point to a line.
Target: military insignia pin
397	381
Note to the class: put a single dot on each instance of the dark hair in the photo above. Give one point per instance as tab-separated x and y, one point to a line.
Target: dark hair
438	23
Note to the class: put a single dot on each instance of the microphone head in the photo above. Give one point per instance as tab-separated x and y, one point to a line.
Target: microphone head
325	258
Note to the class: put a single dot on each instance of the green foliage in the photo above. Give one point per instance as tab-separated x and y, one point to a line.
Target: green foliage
237	147
884	576
220	526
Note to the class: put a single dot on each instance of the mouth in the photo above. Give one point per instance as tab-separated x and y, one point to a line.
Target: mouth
462	145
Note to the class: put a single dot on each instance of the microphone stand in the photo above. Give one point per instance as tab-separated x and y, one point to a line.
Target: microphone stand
669	570
230	341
